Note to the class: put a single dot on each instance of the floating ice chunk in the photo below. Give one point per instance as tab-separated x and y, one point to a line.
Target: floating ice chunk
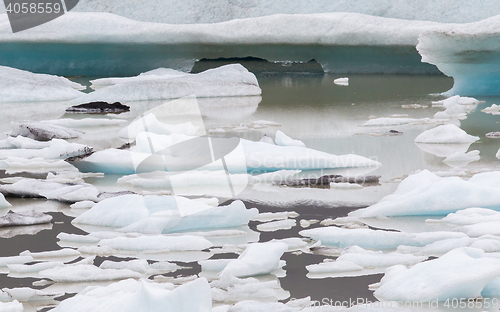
425	193
451	49
436	279
157	243
364	238
445	134
52	190
345	186
86	273
344	81
3	202
488	243
368	258
85	122
13	306
141	266
42	131
277	225
155	74
33	268
24	294
456	107
150	123
257	259
4	261
131	296
462	159
84	204
271	216
493	135
284	140
266	123
231	289
482	228
469	216
157	214
84	239
24	218
66	253
334	267
439	247
248	156
493	109
227	80
23	86
28	148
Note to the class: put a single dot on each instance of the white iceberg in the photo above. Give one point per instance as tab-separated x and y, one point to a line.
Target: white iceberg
344	81
228	80
42	131
85	273
282	139
157	243
131	296
364	238
24	218
154	74
370	258
164	214
141	266
20	148
277	225
494	109
469	216
248	156
333	267
460	51
445	134
52	190
23	86
437	279
425	193
257	259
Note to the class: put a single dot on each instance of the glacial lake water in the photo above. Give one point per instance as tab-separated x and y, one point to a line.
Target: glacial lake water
326	117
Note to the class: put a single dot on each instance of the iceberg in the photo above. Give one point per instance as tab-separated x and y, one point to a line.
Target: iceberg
382	45
344	81
24	218
131	296
445	134
466	52
23	86
228	80
277	225
157	243
462	159
282	139
85	273
247	156
163	214
257	259
51	190
19	149
42	132
437	279
425	193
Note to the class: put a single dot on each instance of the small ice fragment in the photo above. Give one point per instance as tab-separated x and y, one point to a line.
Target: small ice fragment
343	81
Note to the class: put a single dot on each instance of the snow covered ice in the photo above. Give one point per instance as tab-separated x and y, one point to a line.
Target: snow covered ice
229	80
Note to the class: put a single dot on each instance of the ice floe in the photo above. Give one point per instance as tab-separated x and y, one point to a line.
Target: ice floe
24	218
344	81
282	139
445	134
494	109
42	131
462	159
163	214
277	225
425	193
257	259
157	243
51	190
131	295
228	80
86	273
436	279
452	49
15	151
23	86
